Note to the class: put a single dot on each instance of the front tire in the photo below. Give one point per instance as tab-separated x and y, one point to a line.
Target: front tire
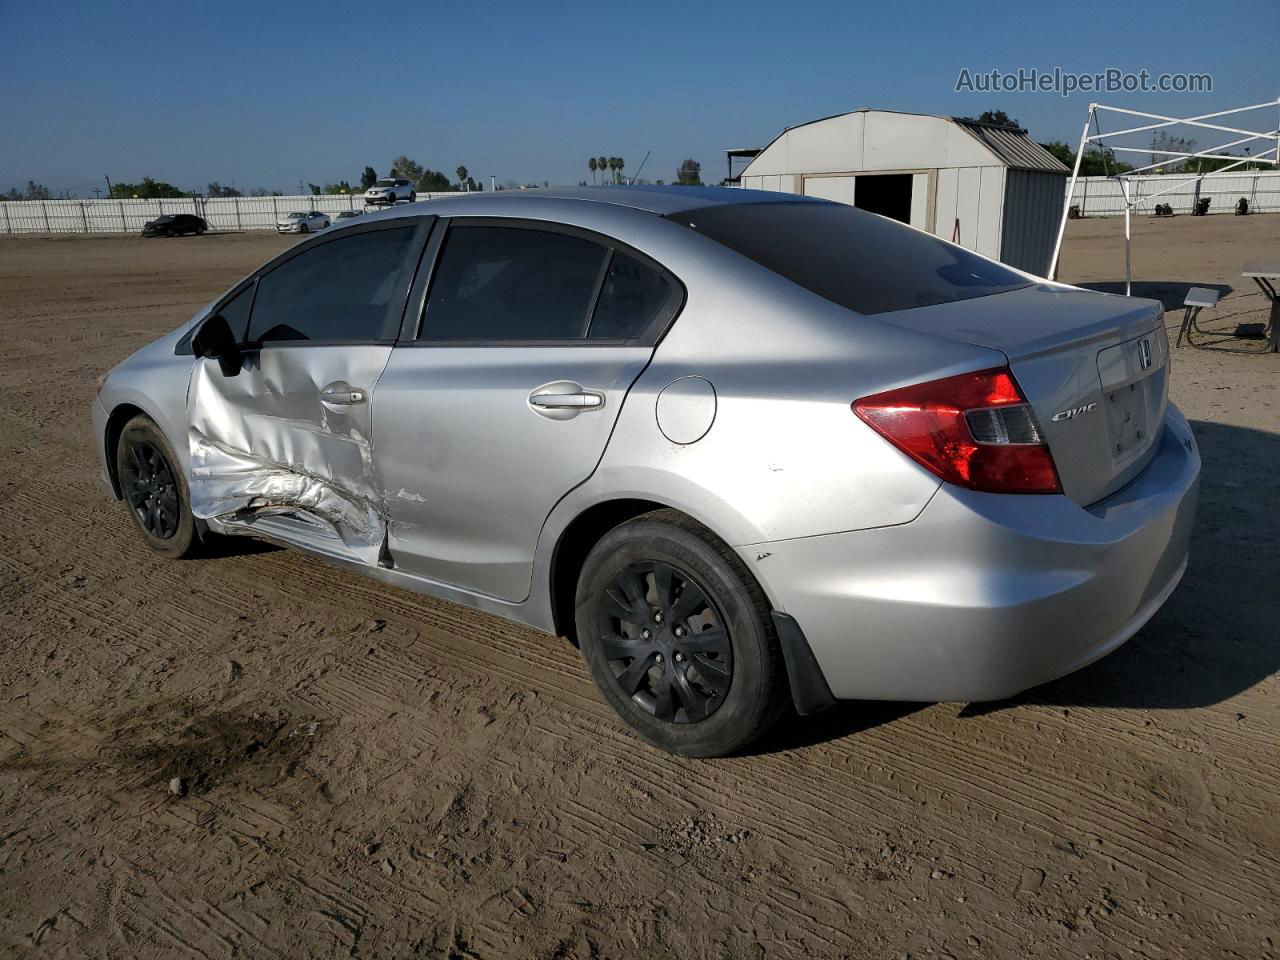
413	198
678	636
391	198
155	489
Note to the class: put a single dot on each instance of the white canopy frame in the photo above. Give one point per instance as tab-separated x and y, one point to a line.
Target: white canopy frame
1270	155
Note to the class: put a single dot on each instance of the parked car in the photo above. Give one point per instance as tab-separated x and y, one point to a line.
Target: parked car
389	191
348	214
738	446
298	222
175	225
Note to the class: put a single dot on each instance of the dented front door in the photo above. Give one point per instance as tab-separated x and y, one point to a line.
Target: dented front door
284	447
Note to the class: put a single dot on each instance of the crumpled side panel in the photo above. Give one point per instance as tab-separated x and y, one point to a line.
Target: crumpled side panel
233	485
262	445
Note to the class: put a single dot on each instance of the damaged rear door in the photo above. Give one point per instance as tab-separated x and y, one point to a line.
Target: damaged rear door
504	397
283	448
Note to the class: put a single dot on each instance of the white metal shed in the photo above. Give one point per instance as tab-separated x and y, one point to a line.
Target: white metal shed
988	187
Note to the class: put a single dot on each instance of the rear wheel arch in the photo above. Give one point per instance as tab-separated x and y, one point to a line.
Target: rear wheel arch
575	542
581	535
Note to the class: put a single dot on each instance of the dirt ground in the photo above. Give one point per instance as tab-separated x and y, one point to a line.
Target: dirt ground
372	773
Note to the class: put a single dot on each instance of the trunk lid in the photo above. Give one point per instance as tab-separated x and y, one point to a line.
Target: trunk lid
1095	368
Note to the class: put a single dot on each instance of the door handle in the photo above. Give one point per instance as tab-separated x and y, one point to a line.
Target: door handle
567	401
342	393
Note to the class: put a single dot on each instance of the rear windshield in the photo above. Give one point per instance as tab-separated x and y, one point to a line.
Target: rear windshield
853	258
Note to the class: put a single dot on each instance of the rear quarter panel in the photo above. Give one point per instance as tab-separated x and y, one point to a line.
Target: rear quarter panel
785	456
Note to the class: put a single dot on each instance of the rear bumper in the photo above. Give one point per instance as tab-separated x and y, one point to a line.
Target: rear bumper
985	595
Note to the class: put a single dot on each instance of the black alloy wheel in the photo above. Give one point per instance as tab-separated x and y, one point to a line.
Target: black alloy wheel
679	636
151	490
666	642
151	483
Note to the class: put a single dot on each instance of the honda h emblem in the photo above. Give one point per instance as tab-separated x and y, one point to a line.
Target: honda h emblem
1144	353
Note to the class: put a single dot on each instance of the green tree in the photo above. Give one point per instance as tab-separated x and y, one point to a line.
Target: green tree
1096	162
998	116
338	188
215	189
434	181
689	173
409	169
368	178
462	178
148	189
1061	151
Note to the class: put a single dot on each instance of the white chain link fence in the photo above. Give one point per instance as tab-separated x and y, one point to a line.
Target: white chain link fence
128	216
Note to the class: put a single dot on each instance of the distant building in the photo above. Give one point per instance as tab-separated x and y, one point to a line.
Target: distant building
989	187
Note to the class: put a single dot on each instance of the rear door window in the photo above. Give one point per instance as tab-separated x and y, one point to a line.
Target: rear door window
853	258
350	289
504	284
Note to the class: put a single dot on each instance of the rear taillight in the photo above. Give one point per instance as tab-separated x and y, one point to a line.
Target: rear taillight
975	430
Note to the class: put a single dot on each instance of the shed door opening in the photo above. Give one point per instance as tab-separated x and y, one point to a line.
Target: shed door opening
887	194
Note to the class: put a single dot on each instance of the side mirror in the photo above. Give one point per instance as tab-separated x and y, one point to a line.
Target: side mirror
216	341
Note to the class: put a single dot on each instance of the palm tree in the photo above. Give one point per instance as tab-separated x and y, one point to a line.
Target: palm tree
621	166
592	166
603	164
462	177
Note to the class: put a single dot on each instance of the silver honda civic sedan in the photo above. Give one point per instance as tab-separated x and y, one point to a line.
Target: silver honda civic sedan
745	450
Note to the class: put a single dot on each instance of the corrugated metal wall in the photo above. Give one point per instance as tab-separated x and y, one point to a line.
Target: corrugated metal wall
968	206
128	216
1032	208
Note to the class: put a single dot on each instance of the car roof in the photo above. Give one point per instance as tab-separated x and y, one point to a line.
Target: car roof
660	200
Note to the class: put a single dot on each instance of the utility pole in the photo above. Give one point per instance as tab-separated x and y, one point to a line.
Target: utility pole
108	179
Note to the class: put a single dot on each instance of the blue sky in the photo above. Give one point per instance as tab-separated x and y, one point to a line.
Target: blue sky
268	94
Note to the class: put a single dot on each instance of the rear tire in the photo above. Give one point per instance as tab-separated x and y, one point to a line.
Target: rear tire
155	489
678	636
